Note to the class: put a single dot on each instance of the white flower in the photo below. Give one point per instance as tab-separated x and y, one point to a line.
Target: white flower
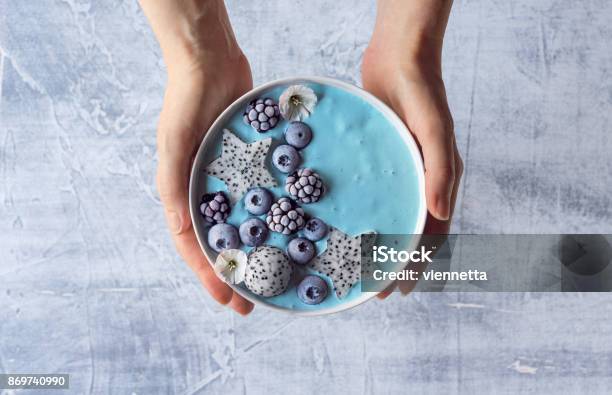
297	102
230	266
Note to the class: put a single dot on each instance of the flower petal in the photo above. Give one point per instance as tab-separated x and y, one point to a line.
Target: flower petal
293	111
230	266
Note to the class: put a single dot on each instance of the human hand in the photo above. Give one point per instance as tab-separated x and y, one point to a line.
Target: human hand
415	91
205	75
417	95
402	67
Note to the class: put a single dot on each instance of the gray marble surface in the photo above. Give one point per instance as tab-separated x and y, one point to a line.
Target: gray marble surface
89	281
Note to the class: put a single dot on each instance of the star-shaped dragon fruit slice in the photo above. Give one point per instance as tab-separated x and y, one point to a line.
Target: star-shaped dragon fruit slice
341	260
241	165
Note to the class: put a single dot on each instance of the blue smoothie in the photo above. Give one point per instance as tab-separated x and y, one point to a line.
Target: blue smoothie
370	175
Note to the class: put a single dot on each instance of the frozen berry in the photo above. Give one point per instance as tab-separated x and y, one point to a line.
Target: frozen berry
298	134
305	186
215	207
286	158
223	237
257	201
301	250
312	290
315	229
253	232
285	217
262	114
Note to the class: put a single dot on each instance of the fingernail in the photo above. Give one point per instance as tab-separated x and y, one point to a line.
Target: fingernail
174	222
442	208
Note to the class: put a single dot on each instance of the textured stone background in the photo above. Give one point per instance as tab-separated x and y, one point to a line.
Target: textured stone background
89	281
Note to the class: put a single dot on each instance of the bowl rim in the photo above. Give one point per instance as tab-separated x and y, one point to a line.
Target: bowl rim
391	116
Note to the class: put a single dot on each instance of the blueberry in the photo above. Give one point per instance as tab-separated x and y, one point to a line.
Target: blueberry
253	232
315	229
223	237
298	134
312	290
285	158
300	250
258	201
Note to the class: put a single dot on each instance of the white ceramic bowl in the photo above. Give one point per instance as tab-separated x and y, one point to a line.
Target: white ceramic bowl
196	187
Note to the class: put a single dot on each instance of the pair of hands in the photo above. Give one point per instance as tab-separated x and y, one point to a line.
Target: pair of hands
196	94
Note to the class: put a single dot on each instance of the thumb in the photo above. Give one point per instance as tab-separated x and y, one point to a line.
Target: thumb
175	152
178	135
427	115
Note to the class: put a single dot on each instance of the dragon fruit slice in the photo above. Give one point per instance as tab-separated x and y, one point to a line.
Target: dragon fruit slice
268	271
241	165
340	261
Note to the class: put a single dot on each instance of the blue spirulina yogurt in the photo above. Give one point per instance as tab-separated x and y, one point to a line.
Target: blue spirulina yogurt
371	178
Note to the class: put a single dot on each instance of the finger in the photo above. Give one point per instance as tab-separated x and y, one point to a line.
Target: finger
174	152
189	249
240	305
458	176
426	113
181	125
438	157
172	178
386	292
434	225
406	286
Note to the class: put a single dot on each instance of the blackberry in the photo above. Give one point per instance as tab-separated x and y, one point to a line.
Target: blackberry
285	217
305	186
262	114
215	207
